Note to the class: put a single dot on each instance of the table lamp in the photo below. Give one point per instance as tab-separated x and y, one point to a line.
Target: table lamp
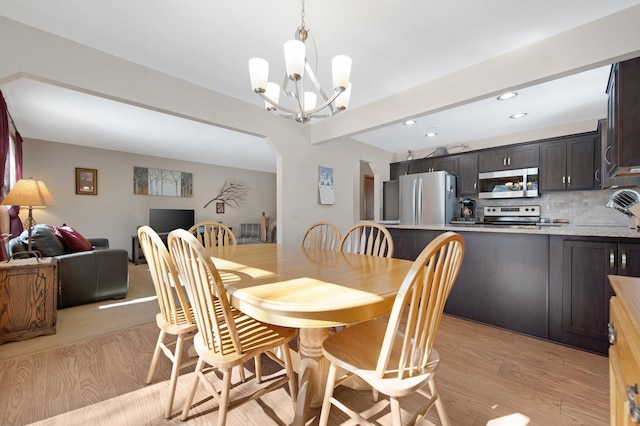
29	193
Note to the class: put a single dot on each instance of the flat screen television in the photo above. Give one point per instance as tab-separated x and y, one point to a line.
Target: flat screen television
166	220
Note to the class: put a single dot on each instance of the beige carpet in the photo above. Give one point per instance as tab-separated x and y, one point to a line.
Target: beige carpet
95	319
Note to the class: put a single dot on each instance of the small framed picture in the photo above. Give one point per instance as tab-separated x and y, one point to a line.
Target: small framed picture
219	207
86	181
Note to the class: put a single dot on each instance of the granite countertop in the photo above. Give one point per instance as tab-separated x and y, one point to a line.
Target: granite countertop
586	230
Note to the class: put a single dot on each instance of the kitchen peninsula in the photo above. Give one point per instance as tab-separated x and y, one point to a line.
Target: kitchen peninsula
548	282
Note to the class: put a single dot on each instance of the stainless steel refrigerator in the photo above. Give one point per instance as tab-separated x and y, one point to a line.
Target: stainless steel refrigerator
427	198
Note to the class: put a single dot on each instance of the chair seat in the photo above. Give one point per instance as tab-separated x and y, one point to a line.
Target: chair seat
357	349
255	338
183	325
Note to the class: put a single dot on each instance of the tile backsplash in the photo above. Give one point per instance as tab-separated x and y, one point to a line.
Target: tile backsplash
579	207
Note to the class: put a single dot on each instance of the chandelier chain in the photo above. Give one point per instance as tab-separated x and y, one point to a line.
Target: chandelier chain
302	24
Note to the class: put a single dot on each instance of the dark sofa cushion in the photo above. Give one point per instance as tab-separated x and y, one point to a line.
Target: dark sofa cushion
43	239
72	240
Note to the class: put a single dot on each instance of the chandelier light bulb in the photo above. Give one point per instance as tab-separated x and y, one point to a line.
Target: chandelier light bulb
294	57
259	74
273	93
341	68
309	101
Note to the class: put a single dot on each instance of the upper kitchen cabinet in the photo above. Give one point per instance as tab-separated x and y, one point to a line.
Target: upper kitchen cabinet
622	154
468	174
433	164
398	169
448	163
512	157
568	163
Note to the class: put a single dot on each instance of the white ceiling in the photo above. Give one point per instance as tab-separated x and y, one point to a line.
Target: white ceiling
395	46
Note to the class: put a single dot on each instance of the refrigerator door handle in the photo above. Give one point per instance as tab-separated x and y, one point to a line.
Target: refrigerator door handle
413	200
419	212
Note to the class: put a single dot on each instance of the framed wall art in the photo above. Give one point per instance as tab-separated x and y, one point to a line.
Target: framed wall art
86	181
162	182
220	207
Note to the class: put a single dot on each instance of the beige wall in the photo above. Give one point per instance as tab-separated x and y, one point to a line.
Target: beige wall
116	212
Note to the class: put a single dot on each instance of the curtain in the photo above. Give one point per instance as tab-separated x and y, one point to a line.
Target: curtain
15	225
4	152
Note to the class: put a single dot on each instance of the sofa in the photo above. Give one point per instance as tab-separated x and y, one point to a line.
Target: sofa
88	270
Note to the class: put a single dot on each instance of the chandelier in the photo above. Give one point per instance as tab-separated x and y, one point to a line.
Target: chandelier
300	82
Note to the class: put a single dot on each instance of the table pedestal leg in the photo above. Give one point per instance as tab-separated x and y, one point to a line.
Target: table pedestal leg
312	372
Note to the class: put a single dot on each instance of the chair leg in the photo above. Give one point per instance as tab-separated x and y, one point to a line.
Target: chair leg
396	414
156	356
224	397
196	380
288	365
442	412
328	394
175	372
258	365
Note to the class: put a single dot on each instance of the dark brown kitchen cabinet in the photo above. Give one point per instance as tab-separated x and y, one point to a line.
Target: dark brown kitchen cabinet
579	289
503	282
513	157
467	174
622	154
398	169
568	163
434	164
409	243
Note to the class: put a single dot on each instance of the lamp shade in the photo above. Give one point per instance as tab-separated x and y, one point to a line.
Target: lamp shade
294	58
259	74
30	193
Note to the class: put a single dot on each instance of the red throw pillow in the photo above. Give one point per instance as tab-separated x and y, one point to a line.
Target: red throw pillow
72	240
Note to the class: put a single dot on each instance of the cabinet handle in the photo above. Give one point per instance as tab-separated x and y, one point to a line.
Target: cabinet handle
612	259
508	161
568	180
612	334
634	410
623	260
504	161
605	154
563	180
595	175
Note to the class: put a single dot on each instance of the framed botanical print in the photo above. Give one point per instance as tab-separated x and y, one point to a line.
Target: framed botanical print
86	181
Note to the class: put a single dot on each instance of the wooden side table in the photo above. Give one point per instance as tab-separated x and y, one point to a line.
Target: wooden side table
27	298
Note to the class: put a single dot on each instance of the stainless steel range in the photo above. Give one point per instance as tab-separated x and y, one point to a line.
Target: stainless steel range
511	215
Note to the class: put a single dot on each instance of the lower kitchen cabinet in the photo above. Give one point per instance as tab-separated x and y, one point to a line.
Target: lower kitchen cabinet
579	290
409	243
503	282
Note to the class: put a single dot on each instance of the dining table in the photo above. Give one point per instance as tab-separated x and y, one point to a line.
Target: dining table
312	290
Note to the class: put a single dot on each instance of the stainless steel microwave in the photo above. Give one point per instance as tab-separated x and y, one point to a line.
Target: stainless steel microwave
516	183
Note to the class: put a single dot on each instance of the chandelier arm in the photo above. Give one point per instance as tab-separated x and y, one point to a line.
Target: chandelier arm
327	103
277	105
314	80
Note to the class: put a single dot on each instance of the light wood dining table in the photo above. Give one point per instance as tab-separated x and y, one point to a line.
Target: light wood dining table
311	290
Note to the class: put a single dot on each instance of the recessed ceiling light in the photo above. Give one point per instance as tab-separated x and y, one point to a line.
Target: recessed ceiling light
518	115
409	122
431	134
508	95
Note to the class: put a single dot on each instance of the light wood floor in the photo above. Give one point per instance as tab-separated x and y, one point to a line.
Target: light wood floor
487	377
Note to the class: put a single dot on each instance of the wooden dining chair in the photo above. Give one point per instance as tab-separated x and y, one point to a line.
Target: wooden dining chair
322	235
212	234
367	238
226	337
175	318
397	358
